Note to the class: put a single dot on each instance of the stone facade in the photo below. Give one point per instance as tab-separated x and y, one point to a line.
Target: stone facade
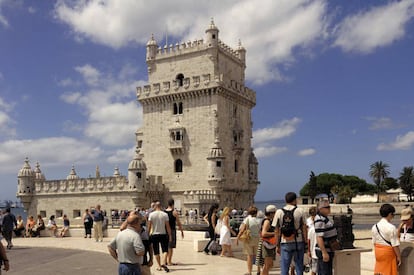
194	144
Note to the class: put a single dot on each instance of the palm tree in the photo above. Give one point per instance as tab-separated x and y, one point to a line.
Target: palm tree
379	171
406	181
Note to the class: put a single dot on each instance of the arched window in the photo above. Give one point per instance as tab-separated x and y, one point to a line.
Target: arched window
236	166
180	108
179	78
178	166
175	109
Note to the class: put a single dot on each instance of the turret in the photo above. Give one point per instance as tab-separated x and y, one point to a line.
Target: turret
241	51
72	175
97	172
253	164
137	172
38	175
25	184
216	163
151	48
212	35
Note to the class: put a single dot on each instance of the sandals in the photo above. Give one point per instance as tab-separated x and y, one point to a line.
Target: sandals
166	269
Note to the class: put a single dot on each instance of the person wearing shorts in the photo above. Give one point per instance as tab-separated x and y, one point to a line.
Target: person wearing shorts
159	228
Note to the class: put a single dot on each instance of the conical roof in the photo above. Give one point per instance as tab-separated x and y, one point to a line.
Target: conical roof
137	163
26	170
38	173
72	175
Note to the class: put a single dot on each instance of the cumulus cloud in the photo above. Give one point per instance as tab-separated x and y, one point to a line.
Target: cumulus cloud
262	152
54	151
121	156
307	152
283	129
109	104
263	138
271	39
374	28
404	142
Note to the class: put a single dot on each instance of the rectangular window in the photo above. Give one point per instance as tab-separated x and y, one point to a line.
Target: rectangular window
42	213
236	166
76	213
59	213
218	163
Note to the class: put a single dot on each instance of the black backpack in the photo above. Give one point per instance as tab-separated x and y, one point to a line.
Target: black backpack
288	222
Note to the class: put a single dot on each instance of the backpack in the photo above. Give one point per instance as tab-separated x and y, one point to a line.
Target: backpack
288	223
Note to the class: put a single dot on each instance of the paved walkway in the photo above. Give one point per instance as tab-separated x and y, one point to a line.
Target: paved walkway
48	255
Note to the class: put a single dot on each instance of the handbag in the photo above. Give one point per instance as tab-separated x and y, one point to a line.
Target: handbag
269	242
334	244
218	226
246	234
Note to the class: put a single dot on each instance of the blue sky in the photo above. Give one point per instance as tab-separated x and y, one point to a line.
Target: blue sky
334	83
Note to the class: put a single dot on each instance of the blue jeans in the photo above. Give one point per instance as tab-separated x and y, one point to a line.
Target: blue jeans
289	251
129	269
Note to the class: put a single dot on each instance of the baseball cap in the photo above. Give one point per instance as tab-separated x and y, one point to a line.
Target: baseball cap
406	213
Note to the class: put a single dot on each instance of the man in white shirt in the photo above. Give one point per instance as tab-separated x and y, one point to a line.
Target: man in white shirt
160	233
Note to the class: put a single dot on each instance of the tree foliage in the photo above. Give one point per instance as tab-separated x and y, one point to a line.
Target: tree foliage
406	181
344	186
379	171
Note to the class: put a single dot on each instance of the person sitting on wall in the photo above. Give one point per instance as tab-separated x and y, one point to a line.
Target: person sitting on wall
66	224
30	225
20	228
40	225
51	225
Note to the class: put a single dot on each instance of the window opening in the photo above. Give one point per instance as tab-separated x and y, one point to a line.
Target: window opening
236	166
178	166
180	79
218	163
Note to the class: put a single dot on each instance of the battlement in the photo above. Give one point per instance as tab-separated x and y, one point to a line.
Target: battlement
195	46
195	83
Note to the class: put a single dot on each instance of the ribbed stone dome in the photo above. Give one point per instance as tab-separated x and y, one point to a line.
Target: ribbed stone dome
137	163
72	175
216	151
152	41
26	170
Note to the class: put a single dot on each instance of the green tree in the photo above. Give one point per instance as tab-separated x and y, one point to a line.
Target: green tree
378	171
406	181
391	183
313	186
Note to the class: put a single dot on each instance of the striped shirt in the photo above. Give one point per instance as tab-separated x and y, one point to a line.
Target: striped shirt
324	228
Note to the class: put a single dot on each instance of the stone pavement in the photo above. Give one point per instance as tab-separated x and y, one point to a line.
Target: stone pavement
85	256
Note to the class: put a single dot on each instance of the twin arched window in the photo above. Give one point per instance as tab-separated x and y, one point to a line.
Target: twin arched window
177	108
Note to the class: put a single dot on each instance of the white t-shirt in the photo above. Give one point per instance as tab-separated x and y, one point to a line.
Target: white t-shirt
312	241
254	225
158	219
388	231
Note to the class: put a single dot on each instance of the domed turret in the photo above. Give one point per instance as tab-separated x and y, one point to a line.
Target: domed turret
212	35
215	162
137	171
72	175
25	179
151	48
253	164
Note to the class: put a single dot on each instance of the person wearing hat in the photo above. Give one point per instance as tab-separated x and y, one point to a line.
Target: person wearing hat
406	228
325	232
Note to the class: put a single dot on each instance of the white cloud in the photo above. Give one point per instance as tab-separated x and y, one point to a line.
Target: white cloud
270	39
378	27
31	10
262	152
283	129
404	142
52	152
307	152
121	156
109	104
3	19
6	122
381	123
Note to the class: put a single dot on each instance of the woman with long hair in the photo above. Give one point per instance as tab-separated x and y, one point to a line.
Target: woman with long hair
211	220
225	233
267	233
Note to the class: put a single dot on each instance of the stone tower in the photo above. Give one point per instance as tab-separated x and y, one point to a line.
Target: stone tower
197	125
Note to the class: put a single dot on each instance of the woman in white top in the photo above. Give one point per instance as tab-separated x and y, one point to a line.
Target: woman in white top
386	242
225	233
252	223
